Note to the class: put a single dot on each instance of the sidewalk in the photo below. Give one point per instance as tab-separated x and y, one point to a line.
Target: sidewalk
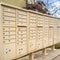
52	55
57	58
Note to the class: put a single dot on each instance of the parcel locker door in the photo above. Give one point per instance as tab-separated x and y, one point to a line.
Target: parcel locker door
22	41
32	39
31	46
51	35
45	40
39	41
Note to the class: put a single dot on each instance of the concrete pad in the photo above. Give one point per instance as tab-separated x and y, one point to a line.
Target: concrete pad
51	55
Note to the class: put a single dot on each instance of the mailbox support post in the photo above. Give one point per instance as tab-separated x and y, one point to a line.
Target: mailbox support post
31	56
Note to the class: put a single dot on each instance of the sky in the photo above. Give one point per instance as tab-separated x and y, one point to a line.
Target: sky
57	5
53	6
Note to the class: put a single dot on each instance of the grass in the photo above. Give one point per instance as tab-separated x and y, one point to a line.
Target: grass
58	46
19	3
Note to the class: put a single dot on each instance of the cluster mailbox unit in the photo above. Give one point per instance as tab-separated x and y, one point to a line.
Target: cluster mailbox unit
23	31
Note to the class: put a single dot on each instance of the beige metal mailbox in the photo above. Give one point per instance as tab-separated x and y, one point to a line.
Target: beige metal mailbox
23	31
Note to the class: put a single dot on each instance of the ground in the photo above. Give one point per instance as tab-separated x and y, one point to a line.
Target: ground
52	55
57	58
